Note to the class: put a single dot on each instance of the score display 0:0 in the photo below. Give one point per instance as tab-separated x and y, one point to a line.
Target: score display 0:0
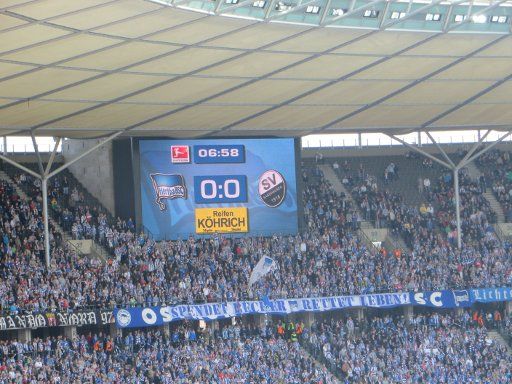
220	189
211	154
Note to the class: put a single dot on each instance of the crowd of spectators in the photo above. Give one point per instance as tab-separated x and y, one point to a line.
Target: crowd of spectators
433	259
497	167
434	348
328	258
24	282
236	354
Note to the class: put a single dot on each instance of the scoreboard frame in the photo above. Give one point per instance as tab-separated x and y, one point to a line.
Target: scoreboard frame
127	171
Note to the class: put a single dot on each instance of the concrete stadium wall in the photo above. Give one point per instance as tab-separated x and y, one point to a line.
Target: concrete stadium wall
95	171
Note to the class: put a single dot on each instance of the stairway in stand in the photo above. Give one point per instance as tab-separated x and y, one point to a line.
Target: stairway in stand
391	242
340	189
319	364
497	338
95	252
475	174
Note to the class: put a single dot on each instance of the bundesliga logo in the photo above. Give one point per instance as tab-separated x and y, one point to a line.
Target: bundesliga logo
180	154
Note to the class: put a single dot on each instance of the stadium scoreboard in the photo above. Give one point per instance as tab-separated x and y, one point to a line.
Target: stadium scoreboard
202	187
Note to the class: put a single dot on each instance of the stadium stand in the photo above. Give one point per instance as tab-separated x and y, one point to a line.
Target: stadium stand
497	177
140	269
150	273
433	348
233	355
387	266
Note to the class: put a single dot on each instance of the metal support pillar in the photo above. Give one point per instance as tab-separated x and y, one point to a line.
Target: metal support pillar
17	165
359	140
488	148
475	147
445	155
419	138
5	145
36	150
90	150
457	205
52	157
455	168
45	175
44	188
421	151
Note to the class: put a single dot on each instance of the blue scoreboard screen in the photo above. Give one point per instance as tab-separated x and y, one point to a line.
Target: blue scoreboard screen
202	187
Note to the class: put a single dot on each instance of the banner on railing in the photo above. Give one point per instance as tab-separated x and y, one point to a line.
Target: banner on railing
442	299
491	295
154	316
56	319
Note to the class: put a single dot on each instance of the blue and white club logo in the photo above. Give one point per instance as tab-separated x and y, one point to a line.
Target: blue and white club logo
123	318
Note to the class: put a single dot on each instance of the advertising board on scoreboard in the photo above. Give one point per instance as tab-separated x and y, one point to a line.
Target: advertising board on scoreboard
203	187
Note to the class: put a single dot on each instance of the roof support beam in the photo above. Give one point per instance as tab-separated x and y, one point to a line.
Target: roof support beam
36	150
475	147
421	151
489	147
445	155
470	15
410	86
82	155
269	9
19	166
467	101
52	157
45	175
267	75
326	11
384	15
468	158
447	18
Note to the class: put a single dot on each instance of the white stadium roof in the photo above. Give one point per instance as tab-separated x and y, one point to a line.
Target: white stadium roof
89	68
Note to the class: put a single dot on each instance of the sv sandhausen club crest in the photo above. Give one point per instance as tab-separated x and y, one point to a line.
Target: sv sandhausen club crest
168	186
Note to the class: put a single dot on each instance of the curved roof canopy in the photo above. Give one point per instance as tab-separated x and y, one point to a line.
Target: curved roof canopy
89	68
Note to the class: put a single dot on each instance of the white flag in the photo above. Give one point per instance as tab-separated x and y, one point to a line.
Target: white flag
263	267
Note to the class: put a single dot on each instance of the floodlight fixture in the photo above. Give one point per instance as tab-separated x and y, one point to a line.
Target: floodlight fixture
433	17
371	13
397	15
314	9
500	19
283	7
338	11
479	19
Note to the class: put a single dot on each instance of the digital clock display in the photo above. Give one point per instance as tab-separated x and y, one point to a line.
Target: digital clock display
212	154
220	189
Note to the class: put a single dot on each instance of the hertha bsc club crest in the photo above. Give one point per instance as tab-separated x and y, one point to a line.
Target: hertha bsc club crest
168	186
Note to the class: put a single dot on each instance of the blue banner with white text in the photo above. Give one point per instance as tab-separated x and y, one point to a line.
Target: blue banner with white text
491	295
154	316
442	299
